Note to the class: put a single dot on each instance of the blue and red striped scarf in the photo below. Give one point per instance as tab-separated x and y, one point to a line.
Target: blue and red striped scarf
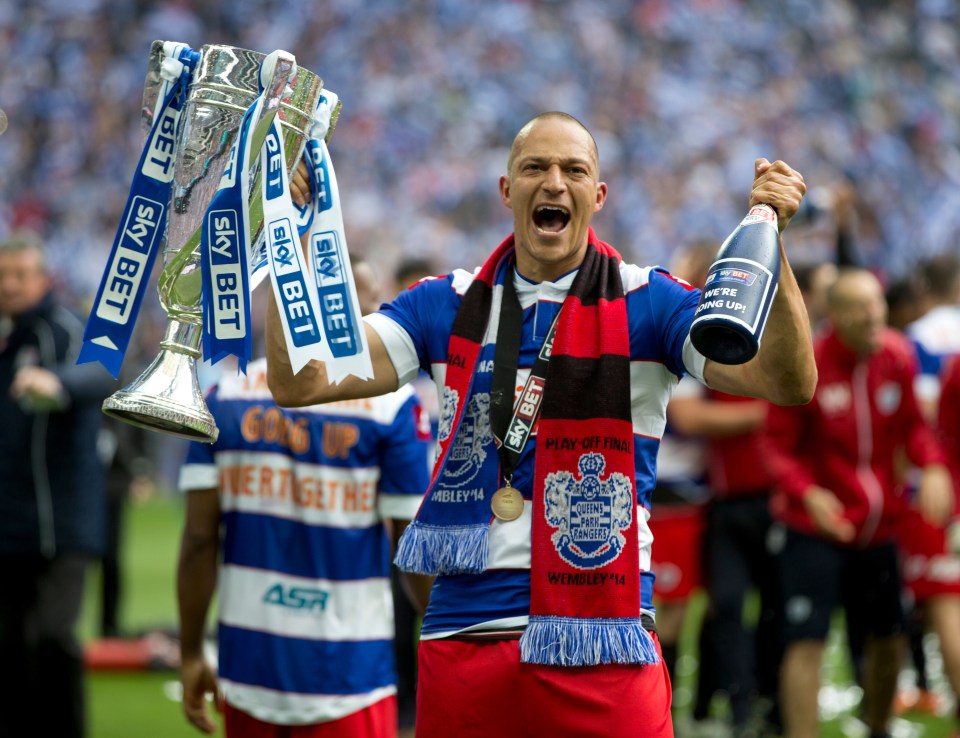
585	572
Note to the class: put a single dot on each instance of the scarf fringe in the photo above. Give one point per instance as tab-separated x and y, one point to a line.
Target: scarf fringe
565	641
443	549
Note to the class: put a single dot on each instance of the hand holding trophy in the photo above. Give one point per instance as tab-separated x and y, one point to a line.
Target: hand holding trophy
223	128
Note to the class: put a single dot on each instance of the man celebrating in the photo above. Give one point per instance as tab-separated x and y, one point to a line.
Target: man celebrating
541	619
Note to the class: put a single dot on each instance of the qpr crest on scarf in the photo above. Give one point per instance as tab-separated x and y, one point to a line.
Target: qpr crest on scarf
588	514
473	435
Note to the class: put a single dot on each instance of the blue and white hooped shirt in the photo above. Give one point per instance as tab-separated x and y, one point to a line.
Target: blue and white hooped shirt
306	613
415	329
936	338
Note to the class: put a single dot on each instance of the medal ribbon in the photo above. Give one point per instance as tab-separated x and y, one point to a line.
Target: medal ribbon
512	432
143	223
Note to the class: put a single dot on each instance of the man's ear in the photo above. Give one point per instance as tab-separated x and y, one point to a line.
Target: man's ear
601	195
505	190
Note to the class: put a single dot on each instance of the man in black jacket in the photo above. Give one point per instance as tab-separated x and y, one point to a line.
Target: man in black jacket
51	496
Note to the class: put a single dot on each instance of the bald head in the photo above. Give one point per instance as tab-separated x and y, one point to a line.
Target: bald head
550	115
857	310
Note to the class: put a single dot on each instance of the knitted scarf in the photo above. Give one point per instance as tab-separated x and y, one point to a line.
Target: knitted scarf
585	578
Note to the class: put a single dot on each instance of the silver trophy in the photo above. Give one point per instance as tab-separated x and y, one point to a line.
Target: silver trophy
167	397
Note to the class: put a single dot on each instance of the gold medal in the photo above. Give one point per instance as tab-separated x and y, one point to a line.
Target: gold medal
507	504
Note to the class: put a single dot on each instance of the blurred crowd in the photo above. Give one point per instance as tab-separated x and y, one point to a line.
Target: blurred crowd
682	96
861	96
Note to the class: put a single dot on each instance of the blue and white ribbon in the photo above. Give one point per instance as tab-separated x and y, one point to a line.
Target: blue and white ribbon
224	239
329	328
143	224
294	290
340	316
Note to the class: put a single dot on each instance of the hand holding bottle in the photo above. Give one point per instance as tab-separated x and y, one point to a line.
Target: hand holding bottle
777	184
742	282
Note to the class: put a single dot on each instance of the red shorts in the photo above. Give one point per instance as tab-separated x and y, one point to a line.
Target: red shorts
479	689
929	568
677	541
377	721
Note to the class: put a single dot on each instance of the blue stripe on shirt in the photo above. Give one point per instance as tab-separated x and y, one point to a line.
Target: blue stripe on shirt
304	666
301	550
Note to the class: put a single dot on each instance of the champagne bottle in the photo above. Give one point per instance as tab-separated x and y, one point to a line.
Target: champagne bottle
739	290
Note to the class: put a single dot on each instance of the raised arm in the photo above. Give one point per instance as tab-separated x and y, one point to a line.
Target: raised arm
783	371
310	385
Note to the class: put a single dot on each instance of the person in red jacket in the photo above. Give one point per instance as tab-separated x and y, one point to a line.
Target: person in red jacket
834	461
931	553
944	603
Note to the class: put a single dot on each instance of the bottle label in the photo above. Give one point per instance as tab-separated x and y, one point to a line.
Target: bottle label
760	214
737	291
740	276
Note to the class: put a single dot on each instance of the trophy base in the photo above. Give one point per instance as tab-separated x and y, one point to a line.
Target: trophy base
167	396
154	414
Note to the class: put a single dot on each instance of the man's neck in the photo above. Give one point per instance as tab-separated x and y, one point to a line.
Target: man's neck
551	280
535	270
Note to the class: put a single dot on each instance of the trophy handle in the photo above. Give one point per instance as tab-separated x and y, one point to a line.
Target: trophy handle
152	85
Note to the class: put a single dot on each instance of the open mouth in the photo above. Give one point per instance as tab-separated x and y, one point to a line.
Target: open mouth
551	218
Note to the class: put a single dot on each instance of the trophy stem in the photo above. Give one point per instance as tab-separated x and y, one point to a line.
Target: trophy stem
167	397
